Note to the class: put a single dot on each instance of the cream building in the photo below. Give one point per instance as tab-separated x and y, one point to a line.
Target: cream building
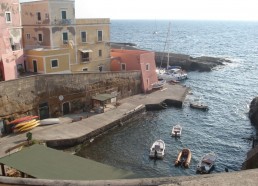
56	42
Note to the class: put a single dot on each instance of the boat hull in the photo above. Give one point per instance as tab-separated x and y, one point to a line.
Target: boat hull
50	121
157	149
176	131
206	164
200	107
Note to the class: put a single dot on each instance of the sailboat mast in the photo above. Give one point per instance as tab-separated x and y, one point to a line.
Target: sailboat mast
166	48
167	42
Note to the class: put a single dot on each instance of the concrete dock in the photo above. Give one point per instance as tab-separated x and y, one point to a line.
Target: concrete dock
70	133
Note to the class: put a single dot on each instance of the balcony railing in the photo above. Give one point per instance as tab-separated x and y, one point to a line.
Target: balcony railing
85	60
63	22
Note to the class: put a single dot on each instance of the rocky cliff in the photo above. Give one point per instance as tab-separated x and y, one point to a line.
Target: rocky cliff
253	112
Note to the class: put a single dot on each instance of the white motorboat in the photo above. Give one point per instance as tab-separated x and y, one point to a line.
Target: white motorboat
176	131
200	106
157	149
206	165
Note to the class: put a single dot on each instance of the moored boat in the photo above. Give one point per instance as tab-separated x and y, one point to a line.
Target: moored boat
184	158
176	131
200	106
157	149
207	163
158	84
173	75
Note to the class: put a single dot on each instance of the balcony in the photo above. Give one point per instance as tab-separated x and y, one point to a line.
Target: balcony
63	22
16	46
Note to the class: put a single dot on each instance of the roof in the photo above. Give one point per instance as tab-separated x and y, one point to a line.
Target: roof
46	163
103	97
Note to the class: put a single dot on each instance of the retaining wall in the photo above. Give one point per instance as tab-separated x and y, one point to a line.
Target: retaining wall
26	95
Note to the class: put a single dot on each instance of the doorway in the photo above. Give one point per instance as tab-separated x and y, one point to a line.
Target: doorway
35	67
43	111
66	108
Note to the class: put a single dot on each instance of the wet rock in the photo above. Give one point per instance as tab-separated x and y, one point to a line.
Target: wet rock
189	63
253	112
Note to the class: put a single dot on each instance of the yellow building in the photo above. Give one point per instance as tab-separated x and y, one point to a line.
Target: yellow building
56	42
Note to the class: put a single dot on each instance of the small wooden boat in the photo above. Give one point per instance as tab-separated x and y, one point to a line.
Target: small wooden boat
199	106
184	158
157	149
206	165
176	131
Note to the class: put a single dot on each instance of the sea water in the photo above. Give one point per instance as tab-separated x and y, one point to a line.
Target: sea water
227	90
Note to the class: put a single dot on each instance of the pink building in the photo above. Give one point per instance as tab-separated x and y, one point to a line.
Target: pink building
11	53
127	60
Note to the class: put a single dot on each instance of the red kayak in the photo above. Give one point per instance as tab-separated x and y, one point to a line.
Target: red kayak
26	118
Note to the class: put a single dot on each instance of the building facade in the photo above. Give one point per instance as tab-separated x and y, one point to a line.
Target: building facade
144	61
11	52
56	42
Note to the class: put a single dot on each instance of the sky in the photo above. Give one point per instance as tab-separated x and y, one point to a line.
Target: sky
244	10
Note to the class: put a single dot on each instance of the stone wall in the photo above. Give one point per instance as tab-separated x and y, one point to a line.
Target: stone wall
24	96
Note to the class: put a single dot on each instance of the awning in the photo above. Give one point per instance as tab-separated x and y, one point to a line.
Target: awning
85	50
46	163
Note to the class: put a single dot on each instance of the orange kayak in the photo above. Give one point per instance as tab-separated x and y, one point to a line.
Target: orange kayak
26	118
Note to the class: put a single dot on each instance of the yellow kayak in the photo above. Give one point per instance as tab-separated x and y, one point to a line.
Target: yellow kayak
24	123
28	125
29	128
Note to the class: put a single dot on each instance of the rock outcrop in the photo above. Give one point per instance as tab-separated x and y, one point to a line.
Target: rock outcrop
187	62
253	112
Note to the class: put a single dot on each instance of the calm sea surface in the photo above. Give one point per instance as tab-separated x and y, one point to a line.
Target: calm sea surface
227	90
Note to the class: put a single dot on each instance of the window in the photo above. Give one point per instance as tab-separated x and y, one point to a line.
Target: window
147	67
85	56
123	66
65	37
85	69
28	36
8	17
63	14
46	16
40	37
100	35
38	16
83	37
54	63
100	53
13	45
